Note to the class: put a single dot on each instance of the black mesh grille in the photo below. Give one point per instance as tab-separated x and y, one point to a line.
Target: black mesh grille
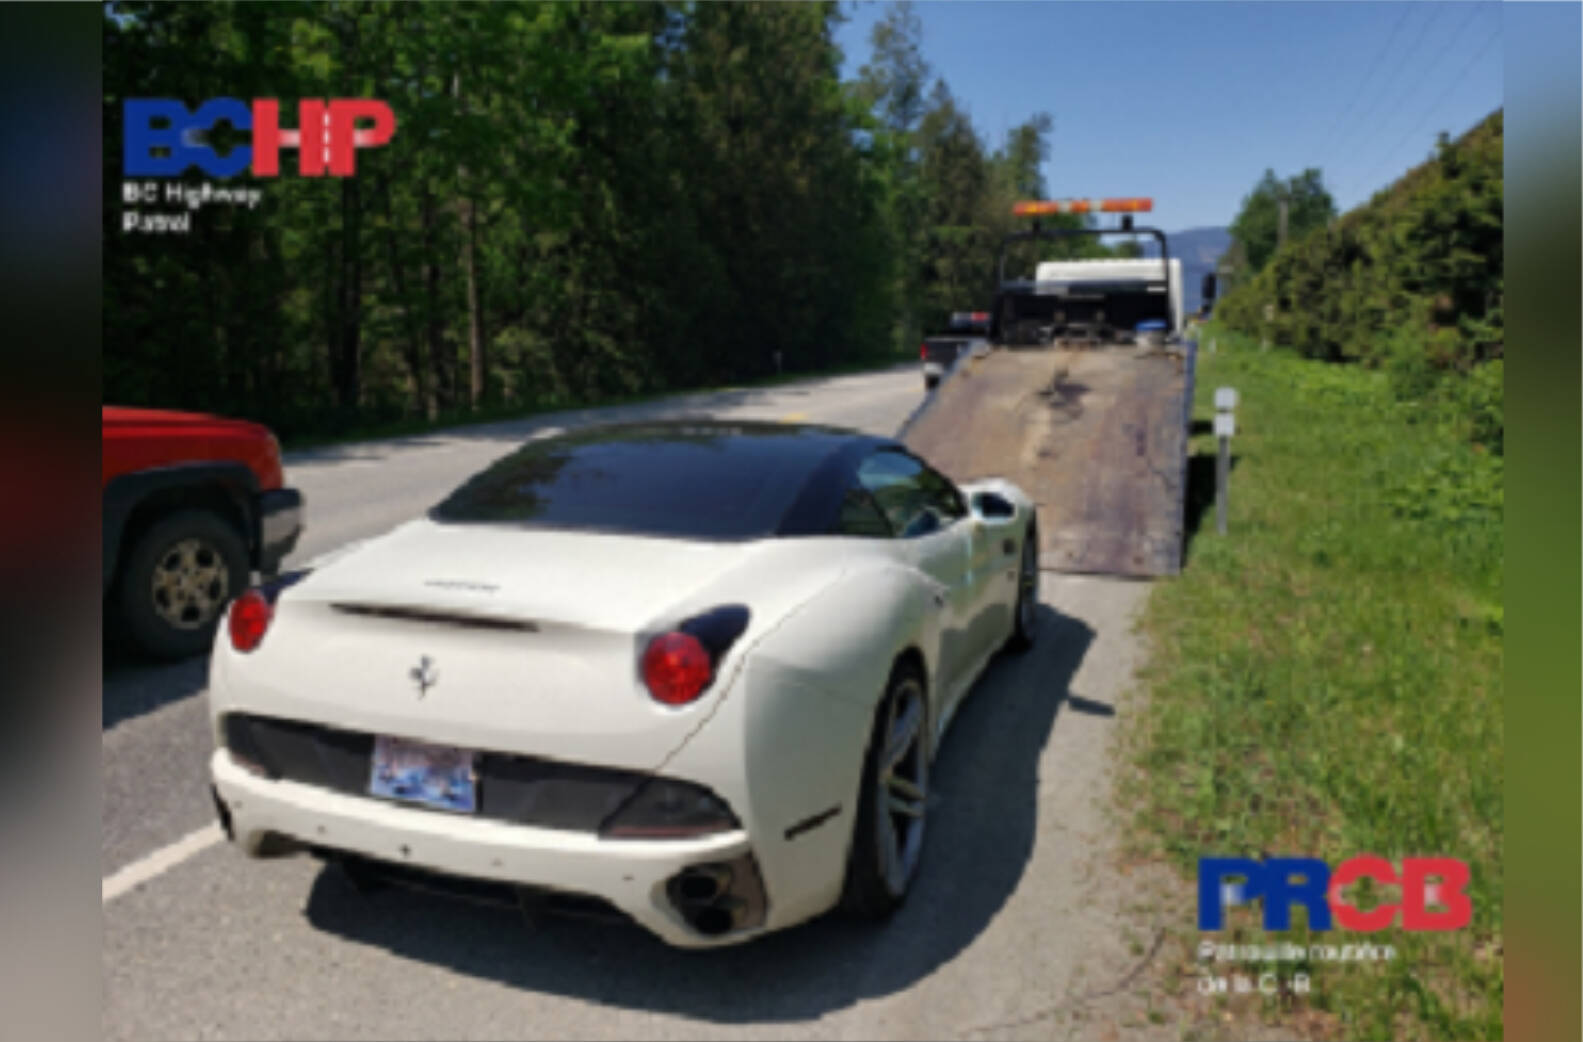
521	789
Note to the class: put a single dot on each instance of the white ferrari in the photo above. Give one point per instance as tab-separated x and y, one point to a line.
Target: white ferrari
693	671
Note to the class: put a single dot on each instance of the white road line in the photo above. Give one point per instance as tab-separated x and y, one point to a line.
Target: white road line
160	861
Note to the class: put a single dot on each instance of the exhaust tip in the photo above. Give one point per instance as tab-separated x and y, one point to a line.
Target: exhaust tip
714	920
720	897
703	884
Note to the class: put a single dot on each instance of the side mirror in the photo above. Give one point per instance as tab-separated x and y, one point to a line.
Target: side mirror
992	507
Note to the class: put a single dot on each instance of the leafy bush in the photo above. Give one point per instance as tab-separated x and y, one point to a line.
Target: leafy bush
1409	359
1412	282
1451	489
1482	399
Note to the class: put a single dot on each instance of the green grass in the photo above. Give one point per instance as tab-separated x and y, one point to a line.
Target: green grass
1325	678
312	436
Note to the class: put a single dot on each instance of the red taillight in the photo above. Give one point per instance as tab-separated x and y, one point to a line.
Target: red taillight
676	668
923	352
250	615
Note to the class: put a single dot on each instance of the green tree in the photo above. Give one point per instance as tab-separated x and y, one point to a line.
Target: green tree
895	78
581	200
1411	281
1257	225
957	251
890	91
1022	158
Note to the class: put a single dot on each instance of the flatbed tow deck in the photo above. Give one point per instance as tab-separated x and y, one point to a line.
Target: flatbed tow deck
1095	434
1098	439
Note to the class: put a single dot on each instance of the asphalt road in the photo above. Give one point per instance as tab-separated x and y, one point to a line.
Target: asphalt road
1014	912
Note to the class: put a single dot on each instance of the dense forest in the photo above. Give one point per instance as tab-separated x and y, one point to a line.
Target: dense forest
1411	282
581	201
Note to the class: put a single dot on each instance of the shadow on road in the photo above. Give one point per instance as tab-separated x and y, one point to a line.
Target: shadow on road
981	837
135	685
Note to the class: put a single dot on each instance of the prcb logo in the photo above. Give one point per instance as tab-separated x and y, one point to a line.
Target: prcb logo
327	138
1284	881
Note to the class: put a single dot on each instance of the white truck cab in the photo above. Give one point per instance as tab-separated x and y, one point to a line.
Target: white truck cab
1073	278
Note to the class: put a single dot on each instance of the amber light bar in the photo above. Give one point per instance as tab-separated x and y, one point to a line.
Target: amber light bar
1045	207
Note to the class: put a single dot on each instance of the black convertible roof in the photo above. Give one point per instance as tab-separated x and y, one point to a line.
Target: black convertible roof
700	479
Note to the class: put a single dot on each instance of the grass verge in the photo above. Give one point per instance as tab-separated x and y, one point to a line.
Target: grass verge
1325	680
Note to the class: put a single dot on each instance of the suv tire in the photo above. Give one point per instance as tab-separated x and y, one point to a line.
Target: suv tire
178	577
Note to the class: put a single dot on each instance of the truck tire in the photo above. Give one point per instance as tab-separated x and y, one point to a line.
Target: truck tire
931	382
178	578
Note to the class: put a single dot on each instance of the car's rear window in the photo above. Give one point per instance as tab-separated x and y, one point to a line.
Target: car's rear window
706	482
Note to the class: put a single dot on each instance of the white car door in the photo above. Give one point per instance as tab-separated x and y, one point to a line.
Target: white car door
998	570
986	574
933	535
987	561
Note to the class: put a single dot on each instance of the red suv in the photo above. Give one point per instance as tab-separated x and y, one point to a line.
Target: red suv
193	505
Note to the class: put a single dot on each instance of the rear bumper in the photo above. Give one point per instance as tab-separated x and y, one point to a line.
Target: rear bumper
279	527
631	875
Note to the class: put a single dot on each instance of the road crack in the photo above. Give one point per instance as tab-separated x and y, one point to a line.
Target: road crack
1072	1001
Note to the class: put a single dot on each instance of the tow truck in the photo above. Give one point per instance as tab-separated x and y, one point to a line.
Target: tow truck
1082	398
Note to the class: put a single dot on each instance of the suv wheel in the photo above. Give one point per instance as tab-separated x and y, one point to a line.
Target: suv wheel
178	578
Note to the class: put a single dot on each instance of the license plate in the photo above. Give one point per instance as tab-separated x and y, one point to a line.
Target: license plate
439	776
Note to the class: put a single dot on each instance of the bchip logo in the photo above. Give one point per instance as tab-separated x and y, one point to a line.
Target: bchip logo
327	138
162	138
1284	881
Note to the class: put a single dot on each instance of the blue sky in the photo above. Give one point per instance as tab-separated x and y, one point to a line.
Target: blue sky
1189	102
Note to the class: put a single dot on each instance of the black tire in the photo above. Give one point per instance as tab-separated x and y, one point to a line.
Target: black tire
931	382
1024	615
870	891
199	561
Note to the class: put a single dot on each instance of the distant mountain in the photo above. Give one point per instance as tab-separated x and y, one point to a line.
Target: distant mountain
1199	249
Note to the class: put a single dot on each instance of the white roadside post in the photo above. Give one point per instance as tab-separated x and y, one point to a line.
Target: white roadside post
1225	427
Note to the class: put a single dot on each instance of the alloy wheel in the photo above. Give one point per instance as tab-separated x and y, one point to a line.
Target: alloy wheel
190	584
903	786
